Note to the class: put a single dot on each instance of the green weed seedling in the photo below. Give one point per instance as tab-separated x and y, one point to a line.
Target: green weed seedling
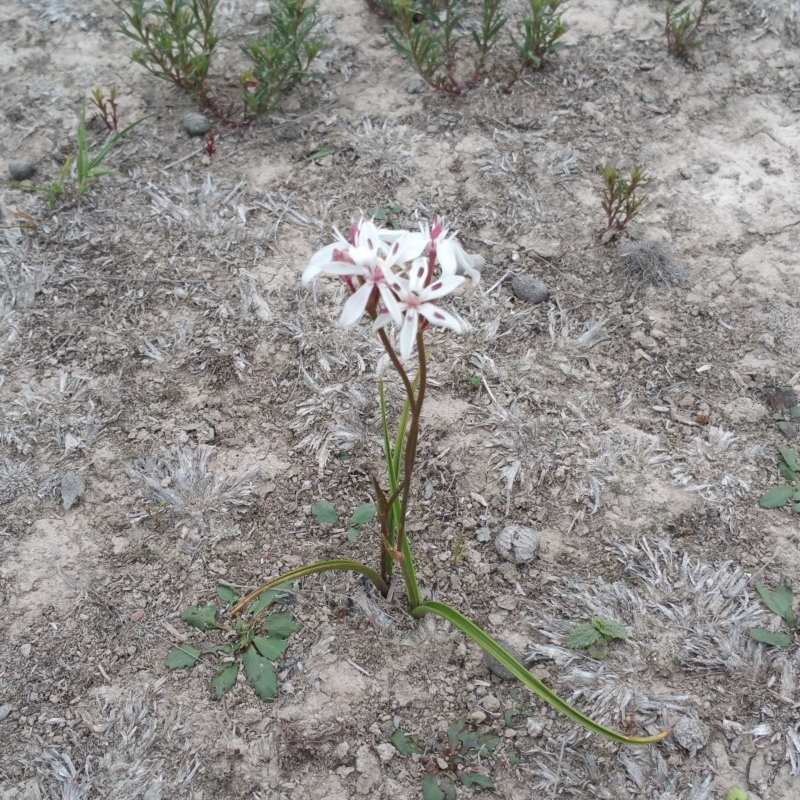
596	636
255	641
621	201
682	26
281	56
430	37
85	169
387	216
780	602
786	410
736	793
779	496
461	751
107	108
326	514
176	41
539	37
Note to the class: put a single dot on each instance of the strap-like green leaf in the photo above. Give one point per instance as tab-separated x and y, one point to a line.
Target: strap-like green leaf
519	671
331	565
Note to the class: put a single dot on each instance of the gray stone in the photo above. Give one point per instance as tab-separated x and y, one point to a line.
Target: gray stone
196	124
690	734
517	544
530	289
5	710
21	169
71	489
495	667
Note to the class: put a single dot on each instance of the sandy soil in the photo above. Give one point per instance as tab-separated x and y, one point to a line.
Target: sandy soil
162	315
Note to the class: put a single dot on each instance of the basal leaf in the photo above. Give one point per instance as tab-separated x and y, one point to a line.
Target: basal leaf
487	743
776	497
431	790
260	674
582	635
353	534
786	472
777	639
794	412
221	648
227	595
476	779
224	680
779	601
364	514
610	628
325	513
406	743
791	458
598	650
283	624
204	618
184	657
270	647
276	595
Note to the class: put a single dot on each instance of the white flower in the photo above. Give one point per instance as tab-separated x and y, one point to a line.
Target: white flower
367	265
415	301
450	255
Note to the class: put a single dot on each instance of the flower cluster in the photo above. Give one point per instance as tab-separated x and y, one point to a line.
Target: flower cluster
393	277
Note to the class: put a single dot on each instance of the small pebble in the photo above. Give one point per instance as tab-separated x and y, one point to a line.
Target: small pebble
495	667
196	124
517	544
21	169
690	734
530	289
5	710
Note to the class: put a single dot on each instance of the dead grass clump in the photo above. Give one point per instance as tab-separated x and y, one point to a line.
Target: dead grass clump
652	261
381	149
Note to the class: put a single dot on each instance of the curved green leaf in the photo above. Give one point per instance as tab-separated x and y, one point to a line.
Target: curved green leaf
269	647
363	515
529	679
786	472
325	513
204	618
431	789
476	779
260	674
227	594
331	565
184	657
776	497
224	680
406	743
610	628
779	601
791	458
283	624
581	636
777	639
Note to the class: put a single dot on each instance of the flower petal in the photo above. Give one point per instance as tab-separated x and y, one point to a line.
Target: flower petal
442	286
408	333
446	256
390	301
355	306
438	316
406	248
